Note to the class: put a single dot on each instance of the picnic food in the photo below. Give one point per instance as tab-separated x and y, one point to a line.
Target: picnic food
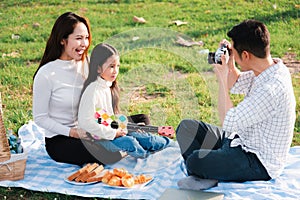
140	179
93	172
88	173
120	172
127	180
107	176
115	181
121	177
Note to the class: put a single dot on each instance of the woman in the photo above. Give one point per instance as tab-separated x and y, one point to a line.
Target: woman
56	92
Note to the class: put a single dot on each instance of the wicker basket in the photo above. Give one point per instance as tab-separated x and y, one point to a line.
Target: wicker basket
4	147
12	166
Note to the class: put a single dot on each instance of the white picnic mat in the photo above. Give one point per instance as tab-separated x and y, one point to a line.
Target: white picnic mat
45	175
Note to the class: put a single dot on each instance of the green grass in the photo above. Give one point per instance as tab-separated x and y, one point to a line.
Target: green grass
152	66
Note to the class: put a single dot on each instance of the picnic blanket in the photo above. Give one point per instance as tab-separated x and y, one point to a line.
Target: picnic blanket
166	166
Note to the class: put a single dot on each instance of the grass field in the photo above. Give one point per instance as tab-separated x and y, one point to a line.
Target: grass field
158	77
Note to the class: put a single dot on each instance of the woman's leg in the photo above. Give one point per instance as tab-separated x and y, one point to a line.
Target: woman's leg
194	135
75	151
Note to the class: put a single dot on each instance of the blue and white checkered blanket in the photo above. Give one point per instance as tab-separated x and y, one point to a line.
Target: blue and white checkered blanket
45	175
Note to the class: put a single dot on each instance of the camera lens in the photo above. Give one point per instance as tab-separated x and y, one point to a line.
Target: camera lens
211	58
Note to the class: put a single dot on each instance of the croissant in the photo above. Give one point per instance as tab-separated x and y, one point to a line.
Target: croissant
107	176
120	172
140	179
127	180
115	181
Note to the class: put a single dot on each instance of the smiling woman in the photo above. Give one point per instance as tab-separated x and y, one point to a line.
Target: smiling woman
70	33
76	43
56	92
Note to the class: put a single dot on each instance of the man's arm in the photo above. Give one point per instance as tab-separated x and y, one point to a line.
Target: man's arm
224	101
227	75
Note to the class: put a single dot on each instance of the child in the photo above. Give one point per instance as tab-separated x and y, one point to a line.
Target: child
101	91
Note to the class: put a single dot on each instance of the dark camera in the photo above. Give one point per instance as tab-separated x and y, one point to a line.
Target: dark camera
215	57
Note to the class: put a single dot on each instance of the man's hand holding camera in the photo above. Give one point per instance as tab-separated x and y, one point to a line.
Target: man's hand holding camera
220	61
224	64
224	67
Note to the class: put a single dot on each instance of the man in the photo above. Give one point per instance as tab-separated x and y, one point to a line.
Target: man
255	137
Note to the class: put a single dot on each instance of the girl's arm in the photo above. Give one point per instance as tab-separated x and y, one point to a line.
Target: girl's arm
86	115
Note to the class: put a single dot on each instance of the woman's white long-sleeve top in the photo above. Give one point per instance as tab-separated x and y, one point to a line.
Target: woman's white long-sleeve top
56	92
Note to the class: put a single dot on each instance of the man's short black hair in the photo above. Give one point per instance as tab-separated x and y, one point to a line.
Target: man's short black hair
252	36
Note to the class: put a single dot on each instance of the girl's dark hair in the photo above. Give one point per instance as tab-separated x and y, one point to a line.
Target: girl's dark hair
63	27
252	36
99	56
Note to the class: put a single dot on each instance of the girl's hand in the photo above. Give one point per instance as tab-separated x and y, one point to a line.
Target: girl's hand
120	133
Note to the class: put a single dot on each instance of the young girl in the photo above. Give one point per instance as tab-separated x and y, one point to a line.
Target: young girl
101	91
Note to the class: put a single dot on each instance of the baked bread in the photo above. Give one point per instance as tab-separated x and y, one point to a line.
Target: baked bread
140	179
88	171
107	176
121	177
127	180
120	172
78	172
115	181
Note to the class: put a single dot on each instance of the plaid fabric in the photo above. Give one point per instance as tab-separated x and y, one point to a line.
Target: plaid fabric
45	175
264	120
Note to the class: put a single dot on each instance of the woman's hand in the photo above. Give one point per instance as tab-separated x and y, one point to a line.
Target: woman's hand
78	133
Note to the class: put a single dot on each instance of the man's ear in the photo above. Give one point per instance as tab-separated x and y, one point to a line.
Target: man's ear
245	55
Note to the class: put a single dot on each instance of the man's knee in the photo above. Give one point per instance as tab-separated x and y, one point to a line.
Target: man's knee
188	127
197	163
184	125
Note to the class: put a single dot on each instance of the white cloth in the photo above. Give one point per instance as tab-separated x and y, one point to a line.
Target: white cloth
45	175
264	120
56	93
97	95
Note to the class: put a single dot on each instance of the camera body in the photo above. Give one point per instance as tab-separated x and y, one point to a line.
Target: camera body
215	57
